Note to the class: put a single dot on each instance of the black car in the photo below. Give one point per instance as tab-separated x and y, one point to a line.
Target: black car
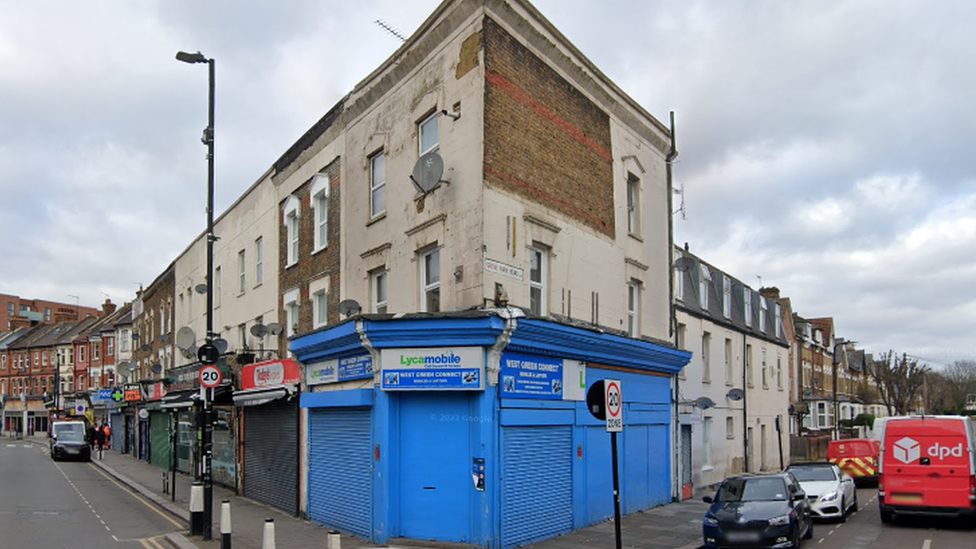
763	510
70	443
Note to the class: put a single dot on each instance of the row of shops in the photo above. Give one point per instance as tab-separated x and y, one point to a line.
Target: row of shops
480	435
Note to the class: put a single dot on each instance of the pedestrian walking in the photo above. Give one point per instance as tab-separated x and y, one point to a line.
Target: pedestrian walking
92	435
108	434
100	440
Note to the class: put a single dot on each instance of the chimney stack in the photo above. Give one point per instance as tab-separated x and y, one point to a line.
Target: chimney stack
108	307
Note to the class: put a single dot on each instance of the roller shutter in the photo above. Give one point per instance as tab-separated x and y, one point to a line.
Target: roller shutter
159	446
537	483
340	470
271	454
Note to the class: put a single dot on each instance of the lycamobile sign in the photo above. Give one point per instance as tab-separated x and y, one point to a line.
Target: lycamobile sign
437	369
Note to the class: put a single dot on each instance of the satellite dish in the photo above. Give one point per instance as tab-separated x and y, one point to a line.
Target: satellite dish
274	328
165	338
736	394
427	172
704	402
124	368
157	368
135	336
185	338
259	330
192	351
349	307
201	288
221	345
684	264
146	347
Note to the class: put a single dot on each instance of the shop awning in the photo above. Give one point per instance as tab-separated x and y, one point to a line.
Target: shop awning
262	395
185	399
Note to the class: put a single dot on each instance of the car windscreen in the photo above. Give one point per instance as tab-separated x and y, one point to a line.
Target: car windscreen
813	473
70	435
752	489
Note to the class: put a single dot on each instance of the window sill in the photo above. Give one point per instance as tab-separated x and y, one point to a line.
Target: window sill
707	469
706	381
258	285
635	236
322	249
376	219
290	265
729	438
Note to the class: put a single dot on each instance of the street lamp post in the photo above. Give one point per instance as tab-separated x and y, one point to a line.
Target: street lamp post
207	435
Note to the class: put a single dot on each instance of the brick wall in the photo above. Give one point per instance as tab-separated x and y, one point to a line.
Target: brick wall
544	140
310	267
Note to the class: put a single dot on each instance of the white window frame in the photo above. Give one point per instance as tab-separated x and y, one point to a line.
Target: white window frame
320	207
679	279
423	129
765	370
430	279
258	261
290	303
728	362
763	307
730	428
538	278
320	308
378	291
633	308
779	320
633	204
706	443
242	269
747	364
747	306
706	354
779	371
726	296
377	185
705	276
292	213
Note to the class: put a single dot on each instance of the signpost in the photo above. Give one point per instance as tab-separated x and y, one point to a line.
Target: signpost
605	402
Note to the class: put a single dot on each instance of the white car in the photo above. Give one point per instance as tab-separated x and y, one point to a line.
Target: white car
830	492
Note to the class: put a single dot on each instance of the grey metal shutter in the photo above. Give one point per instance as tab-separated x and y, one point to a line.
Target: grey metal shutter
340	486
118	431
686	457
159	446
271	454
537	483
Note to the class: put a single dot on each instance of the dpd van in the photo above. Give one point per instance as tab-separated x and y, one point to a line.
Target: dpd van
928	467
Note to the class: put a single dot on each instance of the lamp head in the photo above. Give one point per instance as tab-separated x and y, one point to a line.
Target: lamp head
191	57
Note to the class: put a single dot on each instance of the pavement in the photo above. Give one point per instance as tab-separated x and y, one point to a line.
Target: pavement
672	526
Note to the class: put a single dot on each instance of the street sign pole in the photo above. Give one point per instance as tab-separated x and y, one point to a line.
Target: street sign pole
616	488
605	402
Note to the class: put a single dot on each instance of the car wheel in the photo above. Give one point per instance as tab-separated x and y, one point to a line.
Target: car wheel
843	511
854	505
809	533
886	516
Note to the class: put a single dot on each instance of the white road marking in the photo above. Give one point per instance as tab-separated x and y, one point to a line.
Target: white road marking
927	544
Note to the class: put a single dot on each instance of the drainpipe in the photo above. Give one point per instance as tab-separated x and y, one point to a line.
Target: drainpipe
494	363
676	468
745	398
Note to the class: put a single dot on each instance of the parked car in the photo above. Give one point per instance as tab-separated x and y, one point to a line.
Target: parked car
857	457
767	510
69	441
928	467
831	493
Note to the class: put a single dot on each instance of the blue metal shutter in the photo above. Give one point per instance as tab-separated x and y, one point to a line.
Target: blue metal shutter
537	483
340	471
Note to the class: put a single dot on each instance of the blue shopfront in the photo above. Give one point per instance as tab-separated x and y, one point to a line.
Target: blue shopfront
474	428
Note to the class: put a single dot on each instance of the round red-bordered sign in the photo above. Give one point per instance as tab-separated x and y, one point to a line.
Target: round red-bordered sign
210	376
613	398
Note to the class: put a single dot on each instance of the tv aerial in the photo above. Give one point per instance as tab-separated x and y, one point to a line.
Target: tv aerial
348	307
427	172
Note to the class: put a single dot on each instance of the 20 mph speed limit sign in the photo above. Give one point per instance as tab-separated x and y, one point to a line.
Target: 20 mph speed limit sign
614	400
210	376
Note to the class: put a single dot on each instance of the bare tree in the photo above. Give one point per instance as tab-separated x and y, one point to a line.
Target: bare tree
960	382
899	381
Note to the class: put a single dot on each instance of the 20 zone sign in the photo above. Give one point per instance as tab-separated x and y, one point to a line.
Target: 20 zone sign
613	399
210	376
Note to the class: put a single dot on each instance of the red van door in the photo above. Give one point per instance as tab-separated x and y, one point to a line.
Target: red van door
927	463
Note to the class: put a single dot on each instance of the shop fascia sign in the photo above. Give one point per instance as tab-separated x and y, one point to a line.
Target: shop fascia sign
539	377
338	370
273	373
434	369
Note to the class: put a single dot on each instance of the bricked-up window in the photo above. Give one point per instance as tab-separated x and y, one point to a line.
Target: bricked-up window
292	206
377	185
748	365
217	286
706	354
430	281
728	361
259	261
747	306
633	204
779	372
291	312
320	205
633	308
378	285
538	275
730	428
765	377
242	270
703	280
429	140
320	309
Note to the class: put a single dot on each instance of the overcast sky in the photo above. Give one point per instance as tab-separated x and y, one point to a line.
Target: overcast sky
828	147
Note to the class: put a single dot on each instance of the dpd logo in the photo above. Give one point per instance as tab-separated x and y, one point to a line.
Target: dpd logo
939	451
906	450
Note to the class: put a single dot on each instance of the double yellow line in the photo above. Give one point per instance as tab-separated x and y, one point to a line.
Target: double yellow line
152	543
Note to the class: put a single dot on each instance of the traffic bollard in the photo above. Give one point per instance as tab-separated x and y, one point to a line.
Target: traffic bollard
196	509
268	542
225	524
335	542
